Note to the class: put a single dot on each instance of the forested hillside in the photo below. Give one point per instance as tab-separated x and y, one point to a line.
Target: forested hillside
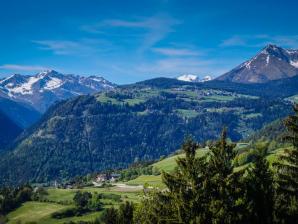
137	122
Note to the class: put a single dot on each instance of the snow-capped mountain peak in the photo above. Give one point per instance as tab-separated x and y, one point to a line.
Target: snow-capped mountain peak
194	78
188	78
271	63
206	78
46	87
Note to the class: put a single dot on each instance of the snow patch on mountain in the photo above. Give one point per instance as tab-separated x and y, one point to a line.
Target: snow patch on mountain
188	78
53	83
25	88
267	60
294	63
206	78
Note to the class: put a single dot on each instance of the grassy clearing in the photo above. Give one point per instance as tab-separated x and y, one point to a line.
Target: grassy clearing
169	164
40	212
151	180
34	212
66	195
105	99
60	199
217	98
187	113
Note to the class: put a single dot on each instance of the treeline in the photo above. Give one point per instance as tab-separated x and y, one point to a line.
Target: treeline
209	189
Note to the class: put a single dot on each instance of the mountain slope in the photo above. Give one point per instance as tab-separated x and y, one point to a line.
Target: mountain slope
271	63
8	131
45	88
136	122
21	114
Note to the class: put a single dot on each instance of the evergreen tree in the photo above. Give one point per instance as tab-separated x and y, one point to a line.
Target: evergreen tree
186	186
225	191
260	189
81	199
201	190
287	174
126	213
183	201
110	216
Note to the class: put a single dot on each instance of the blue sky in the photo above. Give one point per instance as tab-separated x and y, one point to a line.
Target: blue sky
129	41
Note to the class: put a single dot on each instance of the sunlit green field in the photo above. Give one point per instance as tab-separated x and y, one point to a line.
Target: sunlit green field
169	164
40	212
151	180
60	199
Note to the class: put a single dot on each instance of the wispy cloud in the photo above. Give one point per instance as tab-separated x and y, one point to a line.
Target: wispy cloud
176	51
23	67
234	41
260	40
153	29
83	47
176	66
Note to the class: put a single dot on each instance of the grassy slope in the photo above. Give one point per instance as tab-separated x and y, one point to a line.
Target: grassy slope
34	212
169	164
154	181
40	212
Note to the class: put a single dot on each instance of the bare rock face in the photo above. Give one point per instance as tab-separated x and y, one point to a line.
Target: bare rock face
271	63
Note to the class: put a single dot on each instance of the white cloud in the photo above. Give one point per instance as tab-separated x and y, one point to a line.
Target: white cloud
23	67
61	47
176	51
260	40
234	41
154	28
82	47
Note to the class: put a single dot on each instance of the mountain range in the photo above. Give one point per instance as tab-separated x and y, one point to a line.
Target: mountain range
146	120
43	89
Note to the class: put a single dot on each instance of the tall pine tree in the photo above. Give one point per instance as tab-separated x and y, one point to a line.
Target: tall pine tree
287	175
260	189
225	191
